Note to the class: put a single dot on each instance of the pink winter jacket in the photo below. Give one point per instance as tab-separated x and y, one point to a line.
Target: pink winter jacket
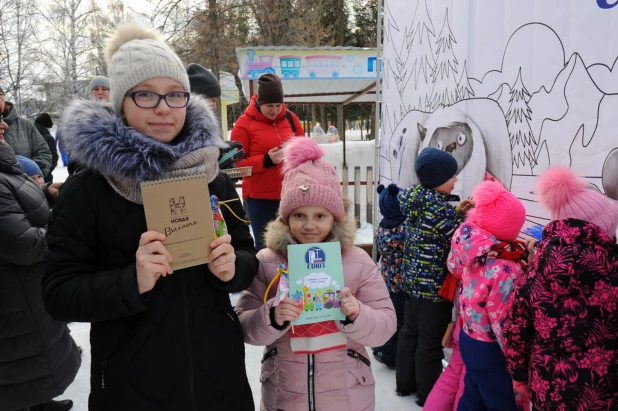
487	282
449	388
334	380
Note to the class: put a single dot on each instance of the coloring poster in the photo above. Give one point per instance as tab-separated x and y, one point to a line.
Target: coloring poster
509	88
315	279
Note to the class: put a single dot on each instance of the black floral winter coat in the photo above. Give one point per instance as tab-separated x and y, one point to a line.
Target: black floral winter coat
561	336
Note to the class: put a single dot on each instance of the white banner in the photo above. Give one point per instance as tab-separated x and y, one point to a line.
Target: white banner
508	87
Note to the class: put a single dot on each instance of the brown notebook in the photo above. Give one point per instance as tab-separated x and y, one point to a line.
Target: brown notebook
180	209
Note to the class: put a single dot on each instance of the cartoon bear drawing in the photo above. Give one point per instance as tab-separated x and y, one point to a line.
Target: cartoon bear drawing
473	131
456	139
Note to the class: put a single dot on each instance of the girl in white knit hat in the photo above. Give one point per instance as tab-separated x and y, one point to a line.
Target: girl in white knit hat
160	340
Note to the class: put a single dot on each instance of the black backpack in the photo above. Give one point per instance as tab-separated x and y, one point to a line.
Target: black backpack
288	115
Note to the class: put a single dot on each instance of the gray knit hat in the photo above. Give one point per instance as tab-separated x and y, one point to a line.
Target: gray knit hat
203	81
135	54
98	81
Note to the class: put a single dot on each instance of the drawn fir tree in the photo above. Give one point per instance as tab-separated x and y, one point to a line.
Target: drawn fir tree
464	88
420	43
394	71
395	64
518	117
444	75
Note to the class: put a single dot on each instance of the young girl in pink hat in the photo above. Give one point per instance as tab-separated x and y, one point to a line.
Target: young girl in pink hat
322	366
487	256
561	336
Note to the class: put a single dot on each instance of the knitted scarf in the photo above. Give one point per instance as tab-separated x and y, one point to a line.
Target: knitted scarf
515	251
200	161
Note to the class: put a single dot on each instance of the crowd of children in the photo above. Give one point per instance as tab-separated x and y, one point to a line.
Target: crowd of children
527	324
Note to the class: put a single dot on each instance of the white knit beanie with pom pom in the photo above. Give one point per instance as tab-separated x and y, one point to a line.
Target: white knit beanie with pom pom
135	54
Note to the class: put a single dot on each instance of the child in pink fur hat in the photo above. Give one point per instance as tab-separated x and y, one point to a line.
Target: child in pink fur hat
321	366
560	335
487	256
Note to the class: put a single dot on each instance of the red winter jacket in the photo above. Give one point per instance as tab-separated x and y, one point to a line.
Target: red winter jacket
258	135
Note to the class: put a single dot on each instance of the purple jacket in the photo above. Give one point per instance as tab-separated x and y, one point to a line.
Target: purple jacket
339	379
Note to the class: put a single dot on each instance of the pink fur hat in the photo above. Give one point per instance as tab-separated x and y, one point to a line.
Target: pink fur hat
566	195
309	180
497	210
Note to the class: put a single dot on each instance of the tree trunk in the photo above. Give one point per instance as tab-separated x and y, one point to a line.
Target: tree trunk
362	126
341	22
323	117
213	20
340	125
314	117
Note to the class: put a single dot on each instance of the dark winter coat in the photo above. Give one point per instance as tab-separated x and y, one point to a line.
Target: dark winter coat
38	358
25	140
561	336
258	135
390	242
179	346
430	223
52	148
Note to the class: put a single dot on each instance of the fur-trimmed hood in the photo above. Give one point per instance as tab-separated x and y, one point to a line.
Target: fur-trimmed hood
278	235
97	138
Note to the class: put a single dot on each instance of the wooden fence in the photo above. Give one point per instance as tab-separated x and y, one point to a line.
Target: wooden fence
356	199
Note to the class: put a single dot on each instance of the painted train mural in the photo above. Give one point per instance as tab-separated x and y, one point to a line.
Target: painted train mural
332	64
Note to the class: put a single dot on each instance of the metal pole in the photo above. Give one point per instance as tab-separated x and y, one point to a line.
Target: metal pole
376	123
343	135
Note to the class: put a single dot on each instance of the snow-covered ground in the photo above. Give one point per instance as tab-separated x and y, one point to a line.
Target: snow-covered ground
385	378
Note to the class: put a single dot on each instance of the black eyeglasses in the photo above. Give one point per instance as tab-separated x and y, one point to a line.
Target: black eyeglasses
150	99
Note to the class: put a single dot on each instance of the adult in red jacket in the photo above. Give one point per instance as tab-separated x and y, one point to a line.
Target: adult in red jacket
261	130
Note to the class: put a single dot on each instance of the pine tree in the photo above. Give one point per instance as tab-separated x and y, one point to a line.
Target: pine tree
464	88
419	41
518	117
444	73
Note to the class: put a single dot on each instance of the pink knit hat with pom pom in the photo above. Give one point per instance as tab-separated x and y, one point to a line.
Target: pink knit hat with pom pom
497	210
309	180
566	195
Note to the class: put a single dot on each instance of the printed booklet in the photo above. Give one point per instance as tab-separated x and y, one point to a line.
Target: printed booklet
315	279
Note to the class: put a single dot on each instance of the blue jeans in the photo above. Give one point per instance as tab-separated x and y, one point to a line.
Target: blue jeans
261	212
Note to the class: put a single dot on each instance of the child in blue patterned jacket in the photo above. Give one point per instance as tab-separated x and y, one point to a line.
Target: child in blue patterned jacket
430	221
389	242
